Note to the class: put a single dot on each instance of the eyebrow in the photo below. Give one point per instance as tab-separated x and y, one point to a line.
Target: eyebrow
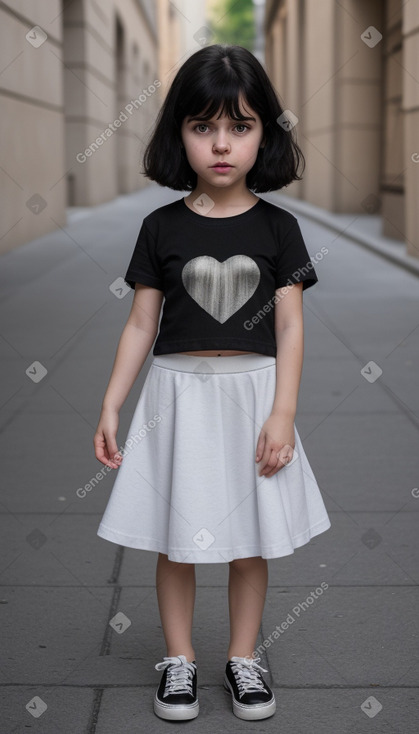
203	119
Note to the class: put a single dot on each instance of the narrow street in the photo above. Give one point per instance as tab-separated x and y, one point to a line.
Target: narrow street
344	606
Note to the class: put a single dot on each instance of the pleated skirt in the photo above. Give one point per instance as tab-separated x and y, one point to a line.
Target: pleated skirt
188	485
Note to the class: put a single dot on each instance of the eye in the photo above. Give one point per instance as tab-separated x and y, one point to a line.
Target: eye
200	124
242	125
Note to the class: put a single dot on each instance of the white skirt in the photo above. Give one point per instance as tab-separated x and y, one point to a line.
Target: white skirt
188	485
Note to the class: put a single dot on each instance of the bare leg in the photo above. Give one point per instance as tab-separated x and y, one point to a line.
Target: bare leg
175	587
247	585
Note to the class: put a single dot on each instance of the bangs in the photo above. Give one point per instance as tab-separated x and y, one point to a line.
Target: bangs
221	96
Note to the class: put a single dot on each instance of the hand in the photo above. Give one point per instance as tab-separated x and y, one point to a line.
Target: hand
106	449
276	442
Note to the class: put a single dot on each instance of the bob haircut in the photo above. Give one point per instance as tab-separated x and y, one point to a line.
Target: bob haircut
212	80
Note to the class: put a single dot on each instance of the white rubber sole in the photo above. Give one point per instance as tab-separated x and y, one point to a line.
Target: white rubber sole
172	712
250	712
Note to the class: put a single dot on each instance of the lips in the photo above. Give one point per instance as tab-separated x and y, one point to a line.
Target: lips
221	165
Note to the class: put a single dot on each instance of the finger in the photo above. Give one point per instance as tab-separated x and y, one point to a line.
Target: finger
104	458
286	450
276	469
111	445
284	456
268	462
113	456
108	457
260	446
100	449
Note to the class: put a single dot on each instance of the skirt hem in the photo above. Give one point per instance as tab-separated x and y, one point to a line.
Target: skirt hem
227	554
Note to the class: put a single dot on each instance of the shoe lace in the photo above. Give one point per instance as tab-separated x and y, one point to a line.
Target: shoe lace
247	676
179	674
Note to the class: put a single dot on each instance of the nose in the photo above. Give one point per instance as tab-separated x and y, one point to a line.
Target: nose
221	143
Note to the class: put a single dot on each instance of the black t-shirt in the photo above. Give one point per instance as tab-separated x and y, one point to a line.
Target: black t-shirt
219	275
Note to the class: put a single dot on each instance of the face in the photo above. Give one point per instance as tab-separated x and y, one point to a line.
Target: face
226	141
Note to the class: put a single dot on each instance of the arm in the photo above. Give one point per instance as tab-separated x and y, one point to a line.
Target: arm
289	334
134	345
277	433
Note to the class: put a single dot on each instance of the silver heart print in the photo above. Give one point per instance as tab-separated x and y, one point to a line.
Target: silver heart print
221	289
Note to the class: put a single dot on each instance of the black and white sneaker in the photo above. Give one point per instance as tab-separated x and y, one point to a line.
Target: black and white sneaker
176	697
252	697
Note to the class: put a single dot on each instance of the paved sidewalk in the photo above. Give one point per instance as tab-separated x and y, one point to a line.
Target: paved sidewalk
364	229
346	659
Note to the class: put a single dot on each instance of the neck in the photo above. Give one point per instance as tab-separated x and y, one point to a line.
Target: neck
231	197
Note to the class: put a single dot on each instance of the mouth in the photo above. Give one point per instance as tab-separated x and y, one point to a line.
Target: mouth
221	165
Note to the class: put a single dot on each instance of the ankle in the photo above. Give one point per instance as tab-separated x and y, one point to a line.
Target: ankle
241	655
190	657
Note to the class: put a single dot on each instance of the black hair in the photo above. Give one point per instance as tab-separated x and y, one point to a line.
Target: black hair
212	80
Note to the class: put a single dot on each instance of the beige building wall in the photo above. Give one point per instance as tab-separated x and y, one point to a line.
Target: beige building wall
169	41
110	75
182	30
356	101
80	88
392	179
410	106
32	181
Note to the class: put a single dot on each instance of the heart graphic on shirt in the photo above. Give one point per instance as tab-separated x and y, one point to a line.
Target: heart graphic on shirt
221	289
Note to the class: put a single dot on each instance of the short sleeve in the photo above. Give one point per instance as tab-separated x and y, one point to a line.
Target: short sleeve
144	266
294	263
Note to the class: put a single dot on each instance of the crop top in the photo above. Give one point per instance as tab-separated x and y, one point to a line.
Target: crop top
219	274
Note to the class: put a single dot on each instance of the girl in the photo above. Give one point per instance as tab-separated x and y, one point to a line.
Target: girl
214	470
